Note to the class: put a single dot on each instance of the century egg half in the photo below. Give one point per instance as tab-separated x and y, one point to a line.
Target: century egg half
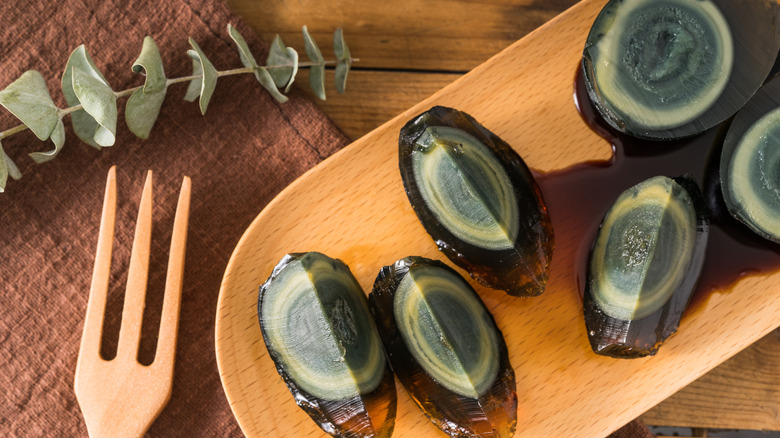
318	330
445	348
750	163
664	69
644	265
478	200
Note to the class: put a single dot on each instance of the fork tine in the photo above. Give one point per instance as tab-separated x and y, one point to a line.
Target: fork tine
169	321
96	306
137	276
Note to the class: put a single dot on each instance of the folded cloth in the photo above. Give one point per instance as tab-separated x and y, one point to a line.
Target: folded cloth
242	153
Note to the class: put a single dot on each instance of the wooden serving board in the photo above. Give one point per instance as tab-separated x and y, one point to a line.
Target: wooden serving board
353	207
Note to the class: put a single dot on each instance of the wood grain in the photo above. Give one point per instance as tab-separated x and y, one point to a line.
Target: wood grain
353	207
374	97
742	393
431	35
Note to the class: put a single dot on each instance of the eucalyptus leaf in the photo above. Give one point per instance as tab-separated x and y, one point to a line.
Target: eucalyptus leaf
144	104
99	101
12	169
292	55
340	48
7	168
344	60
58	138
317	81
193	89
28	99
278	55
208	80
3	171
84	125
317	71
150	62
247	59
265	79
142	110
342	69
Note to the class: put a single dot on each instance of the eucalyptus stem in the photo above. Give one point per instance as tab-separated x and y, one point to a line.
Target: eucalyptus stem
244	70
86	90
62	112
70	109
235	71
12	131
124	93
182	79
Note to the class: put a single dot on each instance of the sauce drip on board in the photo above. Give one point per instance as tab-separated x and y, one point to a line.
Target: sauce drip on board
578	197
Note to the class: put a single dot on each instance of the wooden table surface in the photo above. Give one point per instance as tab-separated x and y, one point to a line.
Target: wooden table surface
410	49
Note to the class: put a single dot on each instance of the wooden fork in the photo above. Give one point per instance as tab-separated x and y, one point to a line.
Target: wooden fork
121	397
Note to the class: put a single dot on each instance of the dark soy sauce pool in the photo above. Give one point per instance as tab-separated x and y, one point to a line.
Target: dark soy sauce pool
578	197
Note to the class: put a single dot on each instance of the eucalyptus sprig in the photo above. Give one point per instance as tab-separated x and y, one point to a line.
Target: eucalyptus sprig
92	103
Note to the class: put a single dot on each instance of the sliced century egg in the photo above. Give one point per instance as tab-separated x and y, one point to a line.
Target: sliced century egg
477	199
318	330
445	348
750	163
644	265
664	69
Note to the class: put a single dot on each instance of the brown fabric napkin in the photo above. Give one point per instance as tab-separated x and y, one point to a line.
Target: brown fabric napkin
242	153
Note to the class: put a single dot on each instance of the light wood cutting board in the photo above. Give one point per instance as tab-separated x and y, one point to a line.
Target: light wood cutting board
353	207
